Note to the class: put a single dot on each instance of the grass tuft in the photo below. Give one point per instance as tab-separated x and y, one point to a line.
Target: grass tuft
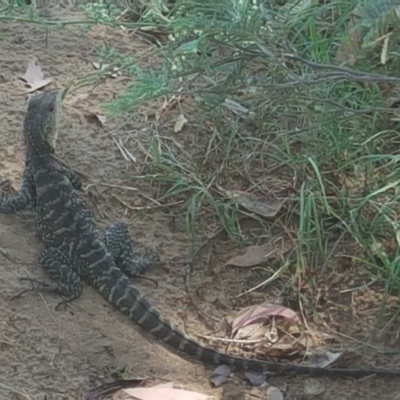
309	130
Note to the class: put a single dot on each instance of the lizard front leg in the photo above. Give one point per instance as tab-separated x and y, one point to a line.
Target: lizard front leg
18	202
72	176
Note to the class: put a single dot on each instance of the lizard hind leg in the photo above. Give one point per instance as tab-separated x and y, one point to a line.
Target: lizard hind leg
119	244
63	279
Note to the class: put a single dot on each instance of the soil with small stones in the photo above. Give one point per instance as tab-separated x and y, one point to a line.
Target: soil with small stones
48	354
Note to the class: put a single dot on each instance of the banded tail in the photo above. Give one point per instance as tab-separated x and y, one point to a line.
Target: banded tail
119	291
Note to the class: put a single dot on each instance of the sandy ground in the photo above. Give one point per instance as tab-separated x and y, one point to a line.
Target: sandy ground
48	354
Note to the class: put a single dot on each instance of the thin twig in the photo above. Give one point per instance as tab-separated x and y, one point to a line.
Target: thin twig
145	207
205	243
202	313
226	340
128	156
276	275
15	391
7	255
111	186
189	269
343	71
63	23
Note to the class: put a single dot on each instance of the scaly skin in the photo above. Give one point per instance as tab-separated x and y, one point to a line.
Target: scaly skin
26	195
74	250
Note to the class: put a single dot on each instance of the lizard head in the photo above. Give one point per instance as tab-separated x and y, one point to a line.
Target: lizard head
42	120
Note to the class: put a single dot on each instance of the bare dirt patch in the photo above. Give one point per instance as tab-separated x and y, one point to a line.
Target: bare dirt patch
59	354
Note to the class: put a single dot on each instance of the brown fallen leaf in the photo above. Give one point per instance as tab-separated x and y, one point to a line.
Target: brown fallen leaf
180	123
34	77
263	311
257	254
265	205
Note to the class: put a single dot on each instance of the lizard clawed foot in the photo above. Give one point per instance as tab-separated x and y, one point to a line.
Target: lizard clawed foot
134	267
66	301
41	286
36	285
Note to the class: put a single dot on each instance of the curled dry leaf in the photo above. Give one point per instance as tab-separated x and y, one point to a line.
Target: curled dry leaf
220	375
258	254
34	77
164	393
263	311
180	123
265	205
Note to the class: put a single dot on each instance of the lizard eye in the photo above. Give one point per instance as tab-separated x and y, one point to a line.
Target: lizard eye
51	108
